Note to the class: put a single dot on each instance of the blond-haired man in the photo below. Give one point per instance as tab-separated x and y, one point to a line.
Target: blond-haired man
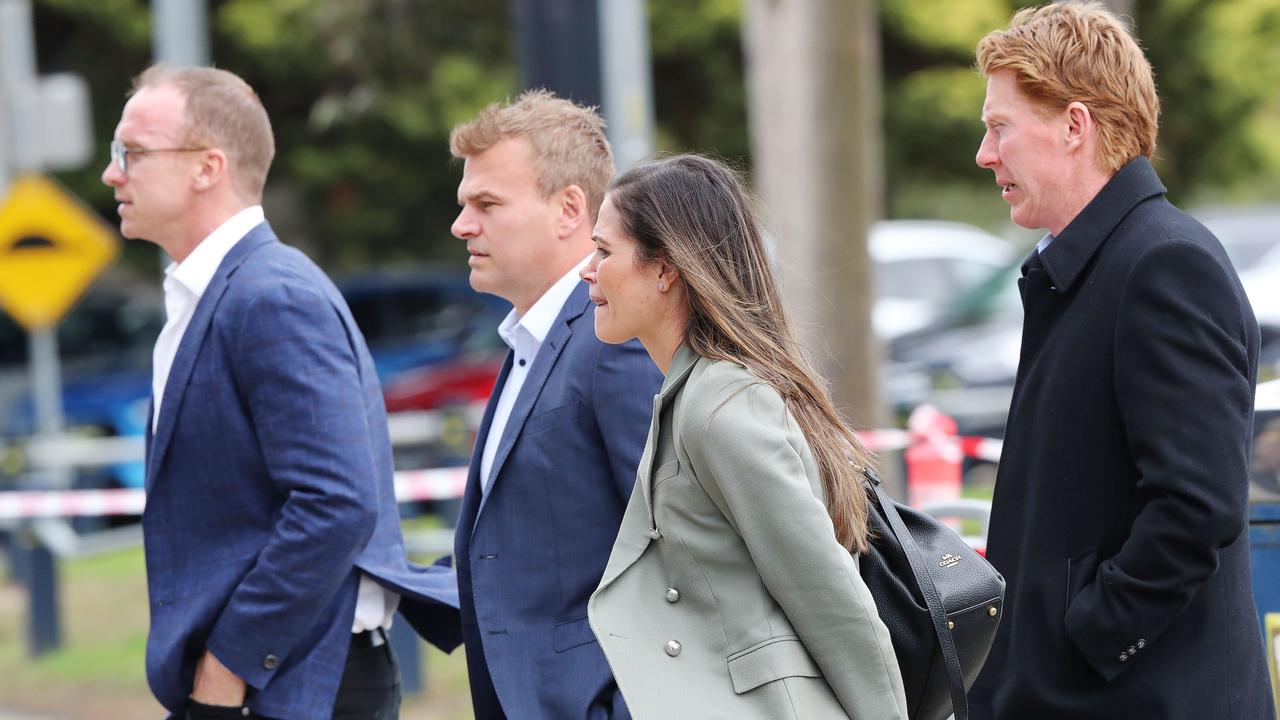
1119	518
556	456
274	555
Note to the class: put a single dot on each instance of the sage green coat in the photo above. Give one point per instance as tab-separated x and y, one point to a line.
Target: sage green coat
727	594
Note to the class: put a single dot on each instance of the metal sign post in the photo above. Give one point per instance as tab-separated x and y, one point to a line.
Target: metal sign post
44	123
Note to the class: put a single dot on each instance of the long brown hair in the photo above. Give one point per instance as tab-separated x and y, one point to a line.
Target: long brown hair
694	213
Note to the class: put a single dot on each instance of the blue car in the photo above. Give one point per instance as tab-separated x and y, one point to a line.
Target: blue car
411	320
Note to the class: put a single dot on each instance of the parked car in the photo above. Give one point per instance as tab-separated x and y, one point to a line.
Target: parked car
104	346
963	363
966	361
921	266
411	319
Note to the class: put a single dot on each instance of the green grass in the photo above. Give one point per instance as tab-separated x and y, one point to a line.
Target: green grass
99	672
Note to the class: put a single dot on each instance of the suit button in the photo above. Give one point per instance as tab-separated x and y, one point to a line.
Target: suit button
271	662
672	648
654	533
673	595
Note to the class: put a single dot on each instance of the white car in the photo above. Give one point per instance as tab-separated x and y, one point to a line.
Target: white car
1251	237
921	266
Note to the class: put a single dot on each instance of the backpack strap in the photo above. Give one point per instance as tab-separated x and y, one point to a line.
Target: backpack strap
955	677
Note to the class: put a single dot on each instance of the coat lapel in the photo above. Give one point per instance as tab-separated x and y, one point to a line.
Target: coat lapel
545	361
681	365
189	348
632	540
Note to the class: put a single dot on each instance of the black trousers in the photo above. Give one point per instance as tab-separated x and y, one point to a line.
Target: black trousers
370	687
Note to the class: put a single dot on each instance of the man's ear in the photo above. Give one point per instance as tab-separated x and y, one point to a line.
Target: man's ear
1080	126
213	169
573	210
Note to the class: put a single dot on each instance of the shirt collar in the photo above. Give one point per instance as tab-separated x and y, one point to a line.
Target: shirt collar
197	270
538	321
1135	182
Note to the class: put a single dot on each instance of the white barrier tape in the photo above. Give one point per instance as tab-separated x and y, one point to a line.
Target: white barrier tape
76	451
982	448
884	440
435	484
411	486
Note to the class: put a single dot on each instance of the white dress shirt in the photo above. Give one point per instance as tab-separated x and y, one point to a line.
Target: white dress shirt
184	285
524	334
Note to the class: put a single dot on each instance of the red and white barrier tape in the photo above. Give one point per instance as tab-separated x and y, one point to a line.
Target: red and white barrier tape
411	486
982	448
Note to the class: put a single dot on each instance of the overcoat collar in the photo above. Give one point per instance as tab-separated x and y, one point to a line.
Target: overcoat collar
1135	182
189	348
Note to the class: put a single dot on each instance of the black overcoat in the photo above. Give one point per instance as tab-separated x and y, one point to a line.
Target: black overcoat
1120	519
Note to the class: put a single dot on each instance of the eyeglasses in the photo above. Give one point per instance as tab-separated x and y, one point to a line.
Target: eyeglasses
120	154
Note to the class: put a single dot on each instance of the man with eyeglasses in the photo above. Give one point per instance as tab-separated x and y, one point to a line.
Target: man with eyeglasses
275	560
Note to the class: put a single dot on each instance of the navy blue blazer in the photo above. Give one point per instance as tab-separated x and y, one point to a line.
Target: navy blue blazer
269	484
530	552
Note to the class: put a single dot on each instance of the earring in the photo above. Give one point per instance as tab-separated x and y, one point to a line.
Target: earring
662	287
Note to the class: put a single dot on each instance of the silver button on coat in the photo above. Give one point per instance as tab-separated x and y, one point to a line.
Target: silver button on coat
672	595
672	648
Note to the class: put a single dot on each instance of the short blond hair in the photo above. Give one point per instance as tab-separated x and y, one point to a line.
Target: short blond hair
1082	52
568	141
221	111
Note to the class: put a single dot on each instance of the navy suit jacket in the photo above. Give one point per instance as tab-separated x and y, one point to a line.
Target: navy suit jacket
269	485
530	552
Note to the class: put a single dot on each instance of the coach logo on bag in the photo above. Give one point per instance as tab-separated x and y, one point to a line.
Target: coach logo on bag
948	560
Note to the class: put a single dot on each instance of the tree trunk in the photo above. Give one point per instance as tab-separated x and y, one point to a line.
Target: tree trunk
813	81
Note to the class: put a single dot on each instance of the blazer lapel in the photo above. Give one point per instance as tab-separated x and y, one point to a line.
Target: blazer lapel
681	365
632	540
189	348
472	498
545	361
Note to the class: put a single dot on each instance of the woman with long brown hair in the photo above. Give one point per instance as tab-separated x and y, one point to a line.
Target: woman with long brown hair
733	587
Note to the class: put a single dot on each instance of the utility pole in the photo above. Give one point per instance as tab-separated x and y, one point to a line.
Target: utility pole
594	52
627	80
813	80
19	85
559	47
180	32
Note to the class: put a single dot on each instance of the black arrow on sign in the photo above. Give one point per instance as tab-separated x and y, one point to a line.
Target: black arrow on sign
32	242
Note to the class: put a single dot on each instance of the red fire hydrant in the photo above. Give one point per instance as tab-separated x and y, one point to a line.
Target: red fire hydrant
933	458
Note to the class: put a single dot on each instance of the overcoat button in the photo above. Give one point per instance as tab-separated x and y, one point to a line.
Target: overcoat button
654	533
672	648
673	595
1124	656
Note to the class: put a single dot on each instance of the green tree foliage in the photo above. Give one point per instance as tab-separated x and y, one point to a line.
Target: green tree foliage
699	94
1217	67
363	94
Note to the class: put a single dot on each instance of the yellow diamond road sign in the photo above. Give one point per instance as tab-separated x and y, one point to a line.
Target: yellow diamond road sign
51	248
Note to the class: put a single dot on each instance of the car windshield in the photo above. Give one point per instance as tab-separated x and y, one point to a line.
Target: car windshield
1246	238
997	296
